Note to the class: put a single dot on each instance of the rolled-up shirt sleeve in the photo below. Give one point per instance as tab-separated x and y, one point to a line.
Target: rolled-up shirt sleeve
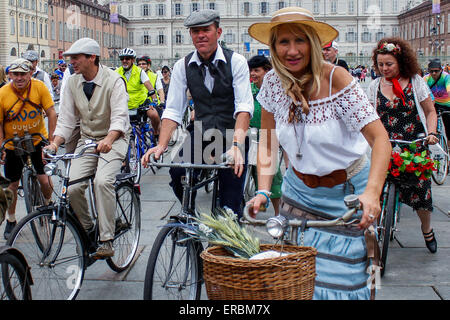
243	98
119	108
68	117
176	102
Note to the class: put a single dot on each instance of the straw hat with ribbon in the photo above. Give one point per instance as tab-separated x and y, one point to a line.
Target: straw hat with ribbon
261	30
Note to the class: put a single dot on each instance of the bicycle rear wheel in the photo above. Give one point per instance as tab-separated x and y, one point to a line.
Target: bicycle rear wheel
441	173
174	268
15	284
128	227
384	228
32	191
56	257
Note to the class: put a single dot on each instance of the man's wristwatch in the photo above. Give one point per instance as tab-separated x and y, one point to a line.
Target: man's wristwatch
240	147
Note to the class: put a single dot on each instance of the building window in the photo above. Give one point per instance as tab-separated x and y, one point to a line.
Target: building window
247	8
130	38
41	34
194	6
263	8
33	29
27	28
21	27
316	7
366	36
350	36
379	35
178	9
394	6
281	5
13	52
130	10
381	5
13	26
229	37
161	9
365	5
146	38
145	11
212	5
351	6
333	8
178	37
161	39
52	30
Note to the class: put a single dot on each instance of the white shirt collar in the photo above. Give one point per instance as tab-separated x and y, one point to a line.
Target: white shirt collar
219	56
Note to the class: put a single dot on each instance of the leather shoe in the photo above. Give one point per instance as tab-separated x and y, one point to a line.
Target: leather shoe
430	241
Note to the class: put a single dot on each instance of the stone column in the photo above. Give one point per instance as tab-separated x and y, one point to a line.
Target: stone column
4	34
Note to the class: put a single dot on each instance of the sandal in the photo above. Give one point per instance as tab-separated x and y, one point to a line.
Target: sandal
430	241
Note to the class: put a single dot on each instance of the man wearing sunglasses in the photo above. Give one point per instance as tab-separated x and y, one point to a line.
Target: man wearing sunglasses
22	105
138	86
439	83
38	73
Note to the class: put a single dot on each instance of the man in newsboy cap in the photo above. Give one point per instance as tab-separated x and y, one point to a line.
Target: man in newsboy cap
38	73
95	96
218	80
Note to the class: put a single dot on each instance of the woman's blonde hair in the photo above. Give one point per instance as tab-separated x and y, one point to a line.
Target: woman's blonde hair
294	87
2	74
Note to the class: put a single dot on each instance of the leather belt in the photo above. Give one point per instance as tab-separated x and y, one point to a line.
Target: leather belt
329	180
334	178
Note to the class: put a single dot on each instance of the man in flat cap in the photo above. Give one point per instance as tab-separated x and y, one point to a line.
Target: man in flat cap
218	80
38	73
22	105
95	96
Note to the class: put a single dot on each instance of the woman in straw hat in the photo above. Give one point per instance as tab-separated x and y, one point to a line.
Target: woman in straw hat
326	125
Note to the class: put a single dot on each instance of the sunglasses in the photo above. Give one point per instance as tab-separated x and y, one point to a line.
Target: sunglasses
165	71
125	58
24	66
434	71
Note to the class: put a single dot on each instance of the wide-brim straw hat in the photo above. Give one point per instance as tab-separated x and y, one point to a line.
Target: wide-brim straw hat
296	15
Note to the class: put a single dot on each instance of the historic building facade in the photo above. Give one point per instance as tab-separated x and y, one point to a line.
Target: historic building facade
24	26
156	26
428	32
70	20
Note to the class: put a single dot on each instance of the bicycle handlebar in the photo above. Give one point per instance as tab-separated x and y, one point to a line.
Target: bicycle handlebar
69	156
2	147
407	141
188	165
340	221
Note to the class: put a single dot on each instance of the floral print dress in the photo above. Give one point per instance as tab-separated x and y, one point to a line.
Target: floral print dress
403	122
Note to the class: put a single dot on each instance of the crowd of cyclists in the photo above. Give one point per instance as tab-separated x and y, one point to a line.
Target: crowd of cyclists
94	102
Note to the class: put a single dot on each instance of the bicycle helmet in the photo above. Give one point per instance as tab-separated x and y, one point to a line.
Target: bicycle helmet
146	59
127	52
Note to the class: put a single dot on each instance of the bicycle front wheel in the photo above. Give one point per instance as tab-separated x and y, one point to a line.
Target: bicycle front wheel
174	267
133	162
15	284
441	173
384	228
128	227
32	191
54	252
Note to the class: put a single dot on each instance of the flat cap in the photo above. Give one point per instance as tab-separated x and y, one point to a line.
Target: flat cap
20	65
30	55
202	18
84	46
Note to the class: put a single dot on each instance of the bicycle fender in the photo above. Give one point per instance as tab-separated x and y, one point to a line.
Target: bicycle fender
15	252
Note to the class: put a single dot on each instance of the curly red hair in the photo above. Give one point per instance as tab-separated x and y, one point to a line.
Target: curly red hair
406	58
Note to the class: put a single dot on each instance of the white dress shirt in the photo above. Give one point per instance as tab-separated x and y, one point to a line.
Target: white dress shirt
176	102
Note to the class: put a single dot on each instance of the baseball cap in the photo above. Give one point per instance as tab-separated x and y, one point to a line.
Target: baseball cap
84	46
332	44
435	63
60	62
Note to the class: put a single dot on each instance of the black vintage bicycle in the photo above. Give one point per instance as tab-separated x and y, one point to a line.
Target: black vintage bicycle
174	267
56	245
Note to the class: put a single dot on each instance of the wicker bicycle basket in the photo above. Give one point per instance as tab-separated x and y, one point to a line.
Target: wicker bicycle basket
290	277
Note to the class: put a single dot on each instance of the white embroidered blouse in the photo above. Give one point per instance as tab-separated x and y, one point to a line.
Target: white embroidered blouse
329	137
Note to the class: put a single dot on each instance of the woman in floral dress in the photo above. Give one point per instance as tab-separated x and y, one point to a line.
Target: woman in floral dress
406	110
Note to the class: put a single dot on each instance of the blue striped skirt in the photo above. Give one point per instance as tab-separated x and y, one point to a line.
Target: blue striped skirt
341	263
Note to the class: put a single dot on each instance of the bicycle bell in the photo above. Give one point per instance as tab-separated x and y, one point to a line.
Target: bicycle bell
50	169
351	201
276	226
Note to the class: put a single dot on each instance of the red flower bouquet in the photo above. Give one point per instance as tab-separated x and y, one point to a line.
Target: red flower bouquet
410	165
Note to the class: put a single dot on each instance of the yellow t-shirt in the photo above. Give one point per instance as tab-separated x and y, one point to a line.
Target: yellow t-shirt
29	119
